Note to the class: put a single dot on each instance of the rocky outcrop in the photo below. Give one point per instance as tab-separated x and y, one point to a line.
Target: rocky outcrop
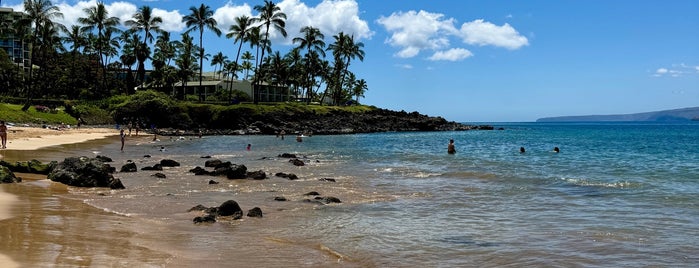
7	176
31	166
85	172
129	167
332	122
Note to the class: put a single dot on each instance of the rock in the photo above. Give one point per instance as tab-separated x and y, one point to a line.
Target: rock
104	158
230	208
159	175
7	176
199	171
255	212
287	155
205	156
212	163
154	167
312	193
331	199
146	156
257	175
213	182
290	176
129	167
327	179
32	166
169	163
237	172
205	219
84	172
297	162
279	198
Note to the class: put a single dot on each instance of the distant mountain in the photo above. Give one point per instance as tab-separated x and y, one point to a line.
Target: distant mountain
685	114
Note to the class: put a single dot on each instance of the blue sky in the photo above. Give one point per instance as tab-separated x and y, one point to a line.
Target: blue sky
485	61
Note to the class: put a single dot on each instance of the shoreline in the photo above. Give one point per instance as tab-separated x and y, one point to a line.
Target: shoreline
33	138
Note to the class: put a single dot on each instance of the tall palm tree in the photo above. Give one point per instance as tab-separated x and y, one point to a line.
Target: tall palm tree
39	13
165	48
240	31
98	17
344	50
185	61
270	15
312	41
199	19
247	63
144	20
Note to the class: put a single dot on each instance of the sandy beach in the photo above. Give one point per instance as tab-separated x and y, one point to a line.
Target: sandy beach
21	138
32	138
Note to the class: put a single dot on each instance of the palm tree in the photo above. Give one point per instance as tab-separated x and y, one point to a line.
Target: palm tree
143	20
359	88
270	15
165	48
344	50
312	41
98	17
199	19
218	60
240	31
247	64
39	13
185	61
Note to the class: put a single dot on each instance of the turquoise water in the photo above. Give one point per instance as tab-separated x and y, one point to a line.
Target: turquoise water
617	194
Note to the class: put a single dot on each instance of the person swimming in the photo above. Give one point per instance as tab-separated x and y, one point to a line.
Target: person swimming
556	150
522	150
451	148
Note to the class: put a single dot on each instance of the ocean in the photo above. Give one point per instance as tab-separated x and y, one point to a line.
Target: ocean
616	195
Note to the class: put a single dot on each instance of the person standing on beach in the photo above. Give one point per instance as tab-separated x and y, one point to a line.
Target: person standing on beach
3	134
450	148
123	138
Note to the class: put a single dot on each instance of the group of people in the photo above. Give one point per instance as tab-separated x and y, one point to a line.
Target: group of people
451	149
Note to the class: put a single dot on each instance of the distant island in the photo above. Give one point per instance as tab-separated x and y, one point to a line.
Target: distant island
676	115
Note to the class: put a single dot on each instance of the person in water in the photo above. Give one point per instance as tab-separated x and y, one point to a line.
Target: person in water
123	138
3	134
556	150
522	150
249	145
451	148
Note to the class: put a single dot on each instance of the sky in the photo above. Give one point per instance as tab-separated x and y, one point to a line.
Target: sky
484	61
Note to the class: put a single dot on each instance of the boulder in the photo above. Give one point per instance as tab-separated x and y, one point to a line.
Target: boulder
84	172
32	166
237	172
297	162
213	182
157	167
255	212
327	179
212	163
199	171
257	175
312	193
7	176
230	208
287	155
159	175
129	167
280	198
290	176
208	218
199	207
169	163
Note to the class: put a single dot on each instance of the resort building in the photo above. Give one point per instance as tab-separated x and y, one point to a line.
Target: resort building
209	85
16	48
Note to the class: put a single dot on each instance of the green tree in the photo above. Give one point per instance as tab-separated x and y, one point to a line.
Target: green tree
144	20
185	61
40	14
344	49
240	32
199	19
312	41
217	61
270	15
97	17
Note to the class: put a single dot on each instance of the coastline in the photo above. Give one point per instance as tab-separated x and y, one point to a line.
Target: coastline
21	138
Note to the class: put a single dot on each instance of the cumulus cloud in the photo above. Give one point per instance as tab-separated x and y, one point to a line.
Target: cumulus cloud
404	66
482	33
172	20
330	16
454	54
415	31
225	15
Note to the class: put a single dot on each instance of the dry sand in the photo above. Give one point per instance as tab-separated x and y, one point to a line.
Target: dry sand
33	138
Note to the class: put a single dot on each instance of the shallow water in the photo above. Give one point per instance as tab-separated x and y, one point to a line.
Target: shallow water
616	195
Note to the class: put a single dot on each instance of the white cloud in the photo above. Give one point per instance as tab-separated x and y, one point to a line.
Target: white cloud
330	16
677	70
415	31
225	15
172	20
454	54
482	33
